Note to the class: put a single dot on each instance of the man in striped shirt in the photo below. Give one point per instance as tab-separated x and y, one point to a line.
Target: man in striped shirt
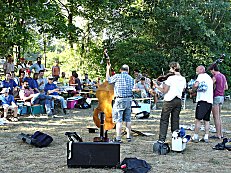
123	85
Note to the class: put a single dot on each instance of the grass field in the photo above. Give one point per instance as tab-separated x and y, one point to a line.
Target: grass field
17	156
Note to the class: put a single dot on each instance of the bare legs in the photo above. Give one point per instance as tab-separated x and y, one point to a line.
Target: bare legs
216	110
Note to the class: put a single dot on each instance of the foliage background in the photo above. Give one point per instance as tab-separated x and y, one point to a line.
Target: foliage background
145	34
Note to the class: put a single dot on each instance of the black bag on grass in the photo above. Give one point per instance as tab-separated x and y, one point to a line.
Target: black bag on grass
41	139
134	165
38	139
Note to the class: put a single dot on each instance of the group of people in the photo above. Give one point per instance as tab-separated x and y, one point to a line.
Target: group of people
44	91
37	89
209	98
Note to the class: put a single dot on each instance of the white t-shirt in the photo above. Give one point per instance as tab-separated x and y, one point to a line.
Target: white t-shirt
207	95
177	84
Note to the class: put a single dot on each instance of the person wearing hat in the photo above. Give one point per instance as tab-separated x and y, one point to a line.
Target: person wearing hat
52	90
8	102
121	111
22	65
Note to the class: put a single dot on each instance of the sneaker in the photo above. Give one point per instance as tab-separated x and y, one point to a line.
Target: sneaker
196	140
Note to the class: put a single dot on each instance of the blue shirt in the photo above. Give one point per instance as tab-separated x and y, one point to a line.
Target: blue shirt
11	84
123	84
7	100
30	82
50	87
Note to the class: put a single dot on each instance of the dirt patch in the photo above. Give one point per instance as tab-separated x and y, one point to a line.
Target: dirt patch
17	156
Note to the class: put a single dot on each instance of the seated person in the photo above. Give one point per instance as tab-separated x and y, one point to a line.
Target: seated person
52	90
86	82
42	81
63	80
27	94
155	93
31	82
8	102
10	83
141	89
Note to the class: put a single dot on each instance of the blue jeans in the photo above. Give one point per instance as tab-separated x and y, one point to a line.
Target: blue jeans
61	99
44	100
122	110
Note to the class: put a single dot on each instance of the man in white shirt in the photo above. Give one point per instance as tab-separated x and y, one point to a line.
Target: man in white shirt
172	88
204	101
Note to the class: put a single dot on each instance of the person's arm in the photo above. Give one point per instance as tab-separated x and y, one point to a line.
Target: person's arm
226	86
108	71
22	96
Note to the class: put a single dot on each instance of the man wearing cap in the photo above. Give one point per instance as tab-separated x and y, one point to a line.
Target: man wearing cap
123	84
52	90
37	66
22	65
8	102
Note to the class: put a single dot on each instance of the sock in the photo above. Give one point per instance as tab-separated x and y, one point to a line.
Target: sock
206	136
195	136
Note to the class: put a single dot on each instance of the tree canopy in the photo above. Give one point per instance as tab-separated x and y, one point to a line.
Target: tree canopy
145	34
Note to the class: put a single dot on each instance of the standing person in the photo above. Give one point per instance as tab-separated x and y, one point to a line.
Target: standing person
204	101
123	84
22	66
37	66
8	66
172	88
56	70
220	85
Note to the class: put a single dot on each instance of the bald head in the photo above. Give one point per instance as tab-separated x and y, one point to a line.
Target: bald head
200	69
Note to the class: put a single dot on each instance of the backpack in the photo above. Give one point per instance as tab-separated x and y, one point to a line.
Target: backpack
161	148
82	104
134	165
40	139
